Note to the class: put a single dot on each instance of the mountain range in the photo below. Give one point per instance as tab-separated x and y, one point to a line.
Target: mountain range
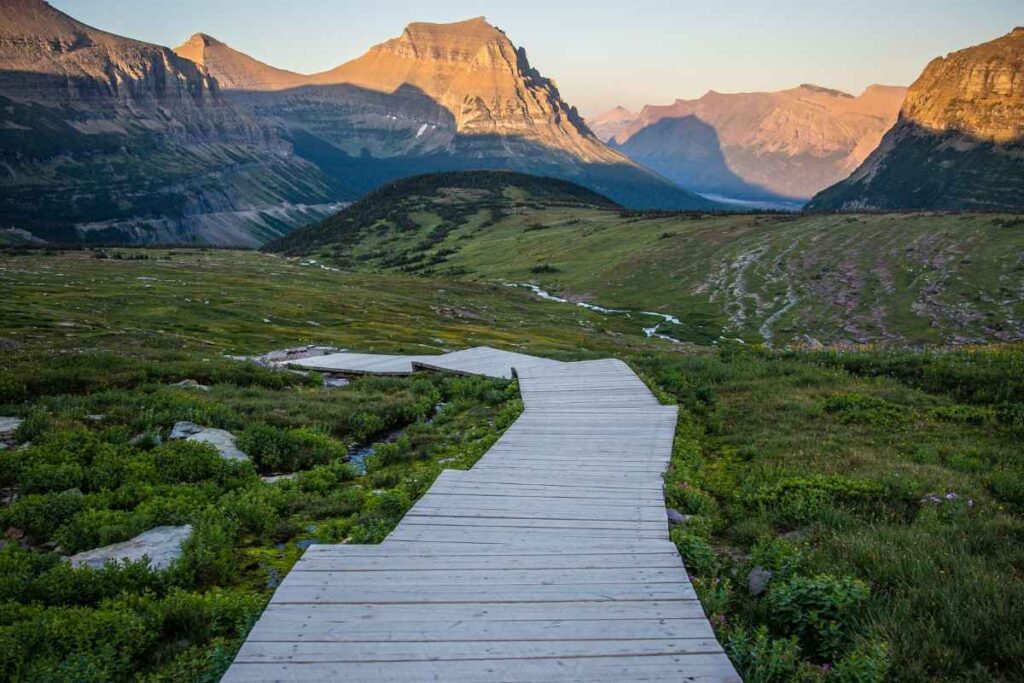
106	138
788	144
958	143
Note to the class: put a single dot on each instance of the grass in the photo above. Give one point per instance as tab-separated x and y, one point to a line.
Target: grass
835	470
896	280
904	494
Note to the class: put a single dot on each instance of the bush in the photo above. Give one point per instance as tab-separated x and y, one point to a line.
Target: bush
208	556
868	662
279	450
189	462
698	555
40	515
818	610
95	528
759	658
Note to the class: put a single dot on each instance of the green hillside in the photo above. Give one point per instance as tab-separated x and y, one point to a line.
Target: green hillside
883	279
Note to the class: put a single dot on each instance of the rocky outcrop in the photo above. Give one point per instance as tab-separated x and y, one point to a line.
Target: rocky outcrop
788	144
162	545
959	141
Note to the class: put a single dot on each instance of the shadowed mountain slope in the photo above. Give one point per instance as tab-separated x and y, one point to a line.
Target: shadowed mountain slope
959	141
105	138
457	196
439	97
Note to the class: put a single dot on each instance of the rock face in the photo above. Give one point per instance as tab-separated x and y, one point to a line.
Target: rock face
786	144
162	545
439	97
959	141
106	138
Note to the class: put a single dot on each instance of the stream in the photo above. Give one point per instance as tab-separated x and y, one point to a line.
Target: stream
653	331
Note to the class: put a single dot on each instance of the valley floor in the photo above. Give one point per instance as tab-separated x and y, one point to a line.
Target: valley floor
845	515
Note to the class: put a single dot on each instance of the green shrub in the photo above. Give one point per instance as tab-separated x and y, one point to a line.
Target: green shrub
256	509
278	450
42	477
40	515
208	556
189	462
867	662
35	425
1007	484
759	658
92	528
697	553
380	516
818	610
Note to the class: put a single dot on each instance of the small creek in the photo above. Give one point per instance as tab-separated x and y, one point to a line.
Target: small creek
358	454
652	331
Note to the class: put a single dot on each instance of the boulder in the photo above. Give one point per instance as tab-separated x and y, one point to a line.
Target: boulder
221	439
676	518
162	545
758	580
335	382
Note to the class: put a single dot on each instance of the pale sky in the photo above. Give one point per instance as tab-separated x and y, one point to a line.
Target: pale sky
628	52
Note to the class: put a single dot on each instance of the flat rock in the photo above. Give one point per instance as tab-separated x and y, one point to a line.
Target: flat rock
191	384
162	545
8	425
335	382
273	478
221	439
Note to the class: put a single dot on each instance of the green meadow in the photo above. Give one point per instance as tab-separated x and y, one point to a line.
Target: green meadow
872	499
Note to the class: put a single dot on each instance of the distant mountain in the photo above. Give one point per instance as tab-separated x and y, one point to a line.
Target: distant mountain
455	197
234	70
439	97
788	144
106	138
959	141
608	125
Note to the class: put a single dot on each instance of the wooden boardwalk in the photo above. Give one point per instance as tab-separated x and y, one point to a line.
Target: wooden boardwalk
547	561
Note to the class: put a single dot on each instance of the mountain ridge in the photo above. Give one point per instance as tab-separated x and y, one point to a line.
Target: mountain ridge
783	144
439	97
958	143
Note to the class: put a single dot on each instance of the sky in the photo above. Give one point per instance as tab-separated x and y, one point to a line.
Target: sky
602	54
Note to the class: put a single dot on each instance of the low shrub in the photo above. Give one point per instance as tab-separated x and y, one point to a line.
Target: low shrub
279	450
818	610
759	658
